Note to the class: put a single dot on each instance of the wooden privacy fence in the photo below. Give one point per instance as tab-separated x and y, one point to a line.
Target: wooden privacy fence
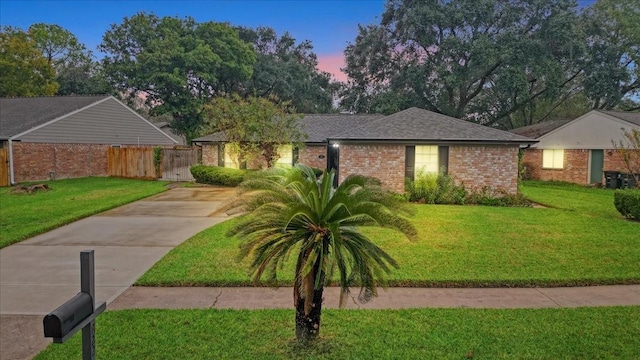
4	168
176	163
132	163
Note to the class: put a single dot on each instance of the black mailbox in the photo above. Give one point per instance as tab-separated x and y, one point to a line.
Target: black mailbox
62	320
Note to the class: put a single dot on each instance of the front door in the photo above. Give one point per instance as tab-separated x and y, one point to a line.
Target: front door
597	163
333	161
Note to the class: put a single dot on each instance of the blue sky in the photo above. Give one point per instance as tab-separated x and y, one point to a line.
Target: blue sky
329	24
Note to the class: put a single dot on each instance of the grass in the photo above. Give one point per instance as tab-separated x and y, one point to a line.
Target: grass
26	215
579	240
598	333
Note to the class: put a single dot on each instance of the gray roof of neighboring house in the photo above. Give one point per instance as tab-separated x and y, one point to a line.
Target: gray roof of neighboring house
537	130
318	127
18	115
76	119
415	124
628	116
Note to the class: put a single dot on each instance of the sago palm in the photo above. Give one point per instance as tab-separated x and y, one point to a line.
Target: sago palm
292	214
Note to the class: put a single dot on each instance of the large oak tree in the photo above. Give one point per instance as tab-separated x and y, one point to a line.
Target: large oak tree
176	65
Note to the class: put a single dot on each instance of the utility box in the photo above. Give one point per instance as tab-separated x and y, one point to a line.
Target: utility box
612	179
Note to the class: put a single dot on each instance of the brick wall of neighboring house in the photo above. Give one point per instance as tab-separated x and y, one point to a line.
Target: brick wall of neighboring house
314	156
613	161
385	162
35	161
480	166
576	165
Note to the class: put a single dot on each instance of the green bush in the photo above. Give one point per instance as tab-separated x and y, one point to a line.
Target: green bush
492	197
627	202
215	175
434	188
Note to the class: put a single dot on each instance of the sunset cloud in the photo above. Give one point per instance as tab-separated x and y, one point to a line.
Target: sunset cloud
332	63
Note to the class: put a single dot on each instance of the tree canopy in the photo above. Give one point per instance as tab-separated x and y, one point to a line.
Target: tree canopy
484	60
256	126
25	71
287	69
176	65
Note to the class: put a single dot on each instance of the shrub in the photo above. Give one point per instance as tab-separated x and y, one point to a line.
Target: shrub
434	188
627	202
215	175
496	197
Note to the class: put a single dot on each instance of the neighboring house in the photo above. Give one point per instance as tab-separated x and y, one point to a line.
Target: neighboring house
164	126
578	150
68	136
392	147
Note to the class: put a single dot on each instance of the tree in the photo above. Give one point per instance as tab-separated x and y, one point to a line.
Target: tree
76	71
288	70
293	214
483	60
255	126
25	72
629	151
612	66
176	65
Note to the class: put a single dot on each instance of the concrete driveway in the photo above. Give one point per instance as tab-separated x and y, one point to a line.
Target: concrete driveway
41	273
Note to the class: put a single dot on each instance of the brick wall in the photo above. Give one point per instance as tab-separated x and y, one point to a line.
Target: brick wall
479	166
210	154
576	165
385	162
34	161
310	156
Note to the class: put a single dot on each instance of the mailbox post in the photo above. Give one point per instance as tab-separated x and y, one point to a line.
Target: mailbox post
79	312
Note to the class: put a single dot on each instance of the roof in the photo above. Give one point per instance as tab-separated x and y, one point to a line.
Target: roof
318	127
415	124
628	116
18	115
537	130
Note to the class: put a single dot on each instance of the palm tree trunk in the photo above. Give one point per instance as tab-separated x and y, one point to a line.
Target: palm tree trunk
308	326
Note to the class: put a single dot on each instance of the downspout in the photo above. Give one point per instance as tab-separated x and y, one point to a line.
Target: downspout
12	180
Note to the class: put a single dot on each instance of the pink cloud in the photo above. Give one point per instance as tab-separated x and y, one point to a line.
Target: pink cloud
332	63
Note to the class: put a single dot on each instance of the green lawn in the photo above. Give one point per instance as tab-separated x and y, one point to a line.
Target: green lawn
26	215
579	240
580	333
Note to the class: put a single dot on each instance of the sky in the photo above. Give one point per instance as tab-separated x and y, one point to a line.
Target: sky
329	24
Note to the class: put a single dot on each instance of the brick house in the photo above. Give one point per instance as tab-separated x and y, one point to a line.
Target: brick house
578	150
68	136
392	147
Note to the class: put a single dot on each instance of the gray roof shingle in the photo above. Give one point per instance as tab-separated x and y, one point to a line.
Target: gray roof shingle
628	116
318	127
537	130
415	124
21	114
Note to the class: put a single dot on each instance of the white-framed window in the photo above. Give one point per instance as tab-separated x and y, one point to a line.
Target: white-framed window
553	158
426	158
286	155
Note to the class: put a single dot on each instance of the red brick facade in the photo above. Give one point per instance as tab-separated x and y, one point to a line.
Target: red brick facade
476	167
41	161
314	156
384	162
575	169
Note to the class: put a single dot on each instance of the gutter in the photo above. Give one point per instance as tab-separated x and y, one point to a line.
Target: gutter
12	180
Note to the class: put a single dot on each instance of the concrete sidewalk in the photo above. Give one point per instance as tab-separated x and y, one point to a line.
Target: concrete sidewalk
41	273
391	298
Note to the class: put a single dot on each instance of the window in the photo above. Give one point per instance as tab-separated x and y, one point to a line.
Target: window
286	155
552	158
228	161
426	158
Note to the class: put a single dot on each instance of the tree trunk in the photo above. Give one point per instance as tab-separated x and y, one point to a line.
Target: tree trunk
308	326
